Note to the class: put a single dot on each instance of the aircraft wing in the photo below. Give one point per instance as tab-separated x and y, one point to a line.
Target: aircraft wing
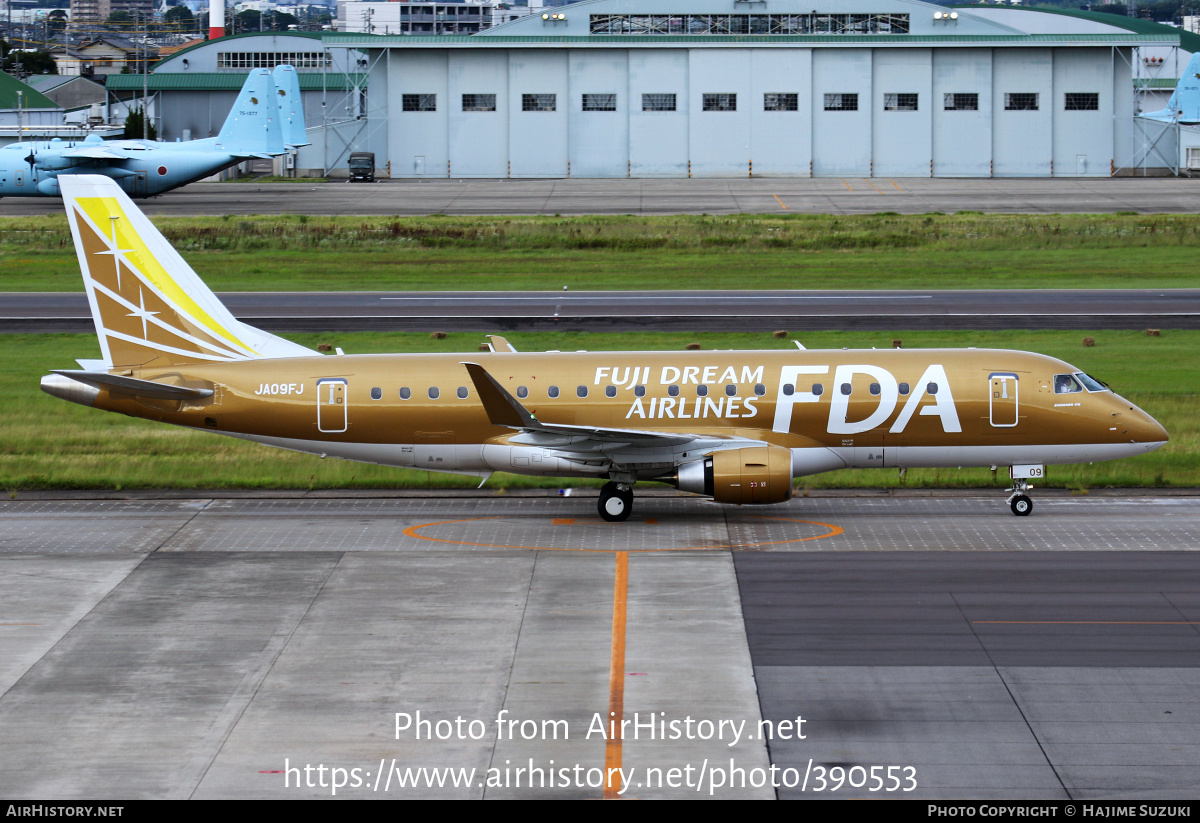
97	153
620	445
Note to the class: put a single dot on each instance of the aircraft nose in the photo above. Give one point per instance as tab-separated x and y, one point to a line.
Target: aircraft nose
1142	428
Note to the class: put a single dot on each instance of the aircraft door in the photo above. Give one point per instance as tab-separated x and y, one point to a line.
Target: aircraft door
139	184
331	405
19	177
1003	402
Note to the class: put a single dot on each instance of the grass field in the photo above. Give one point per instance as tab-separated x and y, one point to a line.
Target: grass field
964	250
52	444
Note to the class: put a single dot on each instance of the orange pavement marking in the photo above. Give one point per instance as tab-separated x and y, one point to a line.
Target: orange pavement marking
616	679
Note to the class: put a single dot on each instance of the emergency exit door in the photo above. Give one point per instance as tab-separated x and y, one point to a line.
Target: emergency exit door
331	405
1003	406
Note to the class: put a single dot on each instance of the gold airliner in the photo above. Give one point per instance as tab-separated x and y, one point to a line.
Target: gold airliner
735	426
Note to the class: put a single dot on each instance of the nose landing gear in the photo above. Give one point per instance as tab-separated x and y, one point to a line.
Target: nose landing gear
616	502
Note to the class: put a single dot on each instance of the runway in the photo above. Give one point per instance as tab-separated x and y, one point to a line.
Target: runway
182	645
781	195
807	310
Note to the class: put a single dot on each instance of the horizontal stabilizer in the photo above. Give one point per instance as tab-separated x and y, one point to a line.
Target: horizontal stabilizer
133	386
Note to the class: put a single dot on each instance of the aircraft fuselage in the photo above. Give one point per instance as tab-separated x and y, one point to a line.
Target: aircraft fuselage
830	409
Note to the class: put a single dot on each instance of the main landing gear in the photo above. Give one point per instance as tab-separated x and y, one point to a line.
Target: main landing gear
1018	501
616	501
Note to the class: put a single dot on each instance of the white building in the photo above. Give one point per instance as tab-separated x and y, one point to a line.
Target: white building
677	88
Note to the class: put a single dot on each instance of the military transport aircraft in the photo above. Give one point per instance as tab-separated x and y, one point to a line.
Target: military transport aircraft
736	426
1184	105
266	118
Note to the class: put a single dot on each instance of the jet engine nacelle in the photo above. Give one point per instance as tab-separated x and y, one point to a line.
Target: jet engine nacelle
756	474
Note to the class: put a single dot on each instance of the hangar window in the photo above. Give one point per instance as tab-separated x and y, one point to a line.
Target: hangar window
639	390
1082	101
539	102
419	102
522	392
814	23
673	391
1020	101
434	393
952	101
599	102
462	392
899	102
841	102
720	102
479	102
376	393
781	101
552	391
658	102
271	59
405	393
610	391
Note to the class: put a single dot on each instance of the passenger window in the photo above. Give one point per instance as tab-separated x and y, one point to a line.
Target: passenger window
405	393
818	389
552	391
788	389
846	389
875	389
581	391
759	390
673	391
731	390
377	394
462	392
522	392
904	388
931	388
434	393
1066	384
702	391
640	391
610	391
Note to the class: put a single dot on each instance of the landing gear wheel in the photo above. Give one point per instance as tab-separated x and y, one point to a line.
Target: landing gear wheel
1021	505
615	503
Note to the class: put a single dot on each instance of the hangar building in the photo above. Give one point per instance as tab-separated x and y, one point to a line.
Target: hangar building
677	88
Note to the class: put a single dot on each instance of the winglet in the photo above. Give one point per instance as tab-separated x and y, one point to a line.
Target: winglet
502	408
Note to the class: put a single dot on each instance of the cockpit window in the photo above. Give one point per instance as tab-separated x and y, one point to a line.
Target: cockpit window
1066	384
1090	383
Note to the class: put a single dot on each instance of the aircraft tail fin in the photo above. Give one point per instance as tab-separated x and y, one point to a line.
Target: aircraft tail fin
149	307
252	127
291	106
1184	105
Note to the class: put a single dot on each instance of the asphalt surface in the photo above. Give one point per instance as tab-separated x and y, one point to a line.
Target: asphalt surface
830	195
180	645
666	310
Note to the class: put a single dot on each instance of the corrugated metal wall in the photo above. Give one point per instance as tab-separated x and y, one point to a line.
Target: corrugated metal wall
846	120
